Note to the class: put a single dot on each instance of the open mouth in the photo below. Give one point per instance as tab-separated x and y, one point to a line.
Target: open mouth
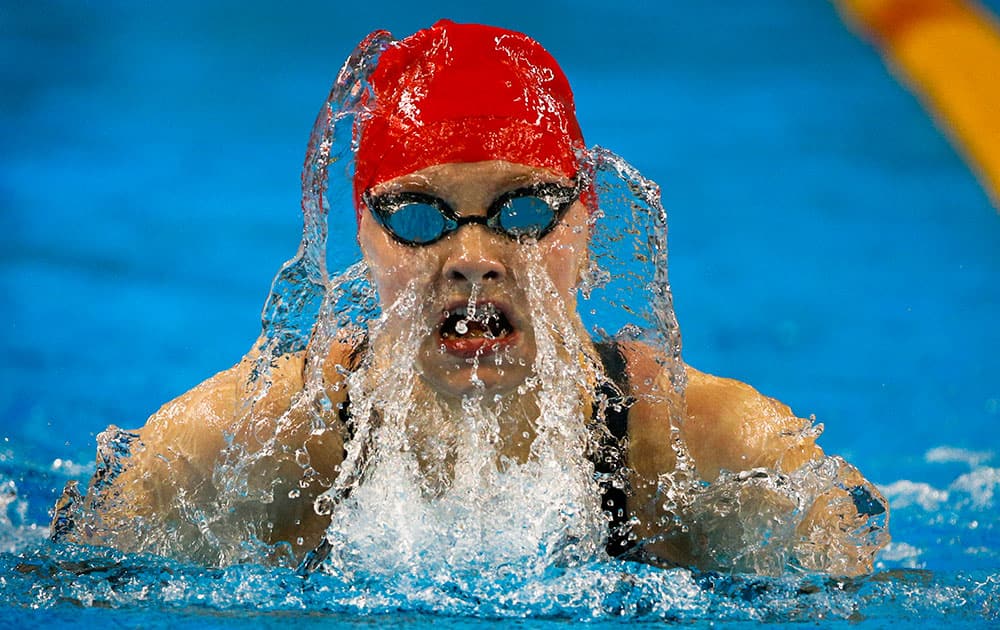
475	330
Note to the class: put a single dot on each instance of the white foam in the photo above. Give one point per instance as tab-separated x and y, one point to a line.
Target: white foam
980	487
70	468
402	517
904	493
15	530
902	554
949	454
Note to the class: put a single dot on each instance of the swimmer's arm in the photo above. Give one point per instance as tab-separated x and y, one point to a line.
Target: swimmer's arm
168	465
169	479
726	425
730	426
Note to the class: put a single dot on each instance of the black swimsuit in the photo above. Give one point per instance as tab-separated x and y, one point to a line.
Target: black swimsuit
610	457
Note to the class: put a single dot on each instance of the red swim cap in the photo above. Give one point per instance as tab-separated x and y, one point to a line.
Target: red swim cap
465	93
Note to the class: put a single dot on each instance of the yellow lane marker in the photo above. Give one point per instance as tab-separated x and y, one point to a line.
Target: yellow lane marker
948	52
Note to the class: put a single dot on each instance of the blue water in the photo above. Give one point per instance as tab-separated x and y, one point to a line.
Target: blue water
828	246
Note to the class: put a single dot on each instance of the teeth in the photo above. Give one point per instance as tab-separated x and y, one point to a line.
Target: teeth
484	320
480	313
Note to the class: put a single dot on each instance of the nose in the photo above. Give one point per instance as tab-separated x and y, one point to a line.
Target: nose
473	256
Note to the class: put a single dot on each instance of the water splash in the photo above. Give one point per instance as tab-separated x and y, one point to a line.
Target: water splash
432	490
414	466
434	507
77	583
626	288
291	308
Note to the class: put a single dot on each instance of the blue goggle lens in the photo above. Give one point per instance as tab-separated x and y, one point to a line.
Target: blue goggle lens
416	222
525	216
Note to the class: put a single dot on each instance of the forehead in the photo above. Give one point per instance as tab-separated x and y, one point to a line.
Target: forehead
460	179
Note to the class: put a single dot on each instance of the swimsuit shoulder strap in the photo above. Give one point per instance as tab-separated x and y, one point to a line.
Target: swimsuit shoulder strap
611	407
615	389
312	560
344	408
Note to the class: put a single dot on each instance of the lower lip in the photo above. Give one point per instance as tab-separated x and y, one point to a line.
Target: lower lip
471	347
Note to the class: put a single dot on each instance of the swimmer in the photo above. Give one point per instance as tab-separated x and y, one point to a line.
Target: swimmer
468	184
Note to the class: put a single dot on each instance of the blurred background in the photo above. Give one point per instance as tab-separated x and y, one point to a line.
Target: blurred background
828	245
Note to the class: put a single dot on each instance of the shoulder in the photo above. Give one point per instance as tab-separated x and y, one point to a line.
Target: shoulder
656	410
729	425
717	399
725	424
342	355
194	424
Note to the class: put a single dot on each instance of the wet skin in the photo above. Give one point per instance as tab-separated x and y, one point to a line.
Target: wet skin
474	255
726	425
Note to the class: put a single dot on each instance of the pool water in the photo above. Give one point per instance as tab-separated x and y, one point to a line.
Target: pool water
828	246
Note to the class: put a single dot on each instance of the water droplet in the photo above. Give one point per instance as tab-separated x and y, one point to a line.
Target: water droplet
470	307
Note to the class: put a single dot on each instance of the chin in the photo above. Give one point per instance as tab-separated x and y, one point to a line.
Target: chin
457	381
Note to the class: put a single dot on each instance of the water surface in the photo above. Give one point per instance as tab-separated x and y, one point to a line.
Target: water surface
827	246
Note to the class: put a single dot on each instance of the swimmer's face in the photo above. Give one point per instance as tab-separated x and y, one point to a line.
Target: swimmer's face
497	347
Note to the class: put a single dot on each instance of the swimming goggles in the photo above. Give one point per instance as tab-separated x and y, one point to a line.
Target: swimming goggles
417	219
